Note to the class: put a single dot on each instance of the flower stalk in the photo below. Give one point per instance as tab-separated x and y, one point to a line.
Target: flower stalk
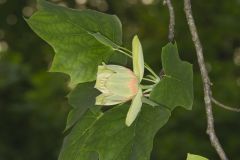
119	84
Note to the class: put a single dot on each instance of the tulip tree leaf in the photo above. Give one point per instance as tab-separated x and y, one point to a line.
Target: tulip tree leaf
73	116
81	98
176	86
84	39
102	39
195	157
83	95
107	134
77	38
118	59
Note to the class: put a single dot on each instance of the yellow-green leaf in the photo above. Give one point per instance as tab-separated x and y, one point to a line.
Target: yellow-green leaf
195	157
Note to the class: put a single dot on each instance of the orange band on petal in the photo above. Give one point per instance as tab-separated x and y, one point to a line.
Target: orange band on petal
133	84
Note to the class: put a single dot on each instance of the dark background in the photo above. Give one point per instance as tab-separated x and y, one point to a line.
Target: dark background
33	104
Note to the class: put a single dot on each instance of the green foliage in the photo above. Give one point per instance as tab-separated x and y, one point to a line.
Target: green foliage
176	86
73	34
195	157
81	98
33	106
82	40
107	134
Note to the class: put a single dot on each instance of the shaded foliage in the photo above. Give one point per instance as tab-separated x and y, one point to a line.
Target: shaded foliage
33	113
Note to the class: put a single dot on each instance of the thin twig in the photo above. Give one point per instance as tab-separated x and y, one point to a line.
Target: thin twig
237	109
171	19
206	82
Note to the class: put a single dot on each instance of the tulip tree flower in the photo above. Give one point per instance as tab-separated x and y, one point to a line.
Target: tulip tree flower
119	84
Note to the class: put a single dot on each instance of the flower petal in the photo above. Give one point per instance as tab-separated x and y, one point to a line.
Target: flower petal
108	100
123	83
134	108
138	61
103	75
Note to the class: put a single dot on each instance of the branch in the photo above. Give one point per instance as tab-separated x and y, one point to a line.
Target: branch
237	109
206	82
172	19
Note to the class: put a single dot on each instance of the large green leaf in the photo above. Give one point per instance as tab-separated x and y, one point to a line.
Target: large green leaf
108	135
77	38
83	95
81	98
118	59
176	86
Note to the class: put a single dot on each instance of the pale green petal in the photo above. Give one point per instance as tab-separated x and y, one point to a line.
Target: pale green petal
103	75
118	69
108	100
134	108
124	83
195	157
138	61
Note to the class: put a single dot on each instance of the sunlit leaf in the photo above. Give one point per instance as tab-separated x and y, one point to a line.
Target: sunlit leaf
77	38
